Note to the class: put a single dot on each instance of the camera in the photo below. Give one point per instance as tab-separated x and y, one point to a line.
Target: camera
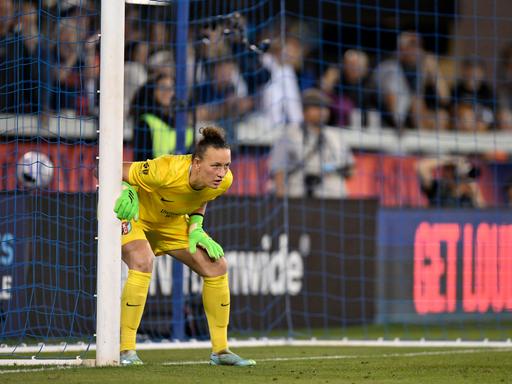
467	170
311	182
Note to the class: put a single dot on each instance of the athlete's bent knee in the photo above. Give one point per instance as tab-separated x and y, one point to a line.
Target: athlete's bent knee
138	256
223	265
142	263
218	268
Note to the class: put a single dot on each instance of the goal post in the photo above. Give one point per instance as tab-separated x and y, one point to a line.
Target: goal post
110	174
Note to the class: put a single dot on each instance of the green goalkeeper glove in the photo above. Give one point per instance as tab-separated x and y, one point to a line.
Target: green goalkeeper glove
197	236
127	205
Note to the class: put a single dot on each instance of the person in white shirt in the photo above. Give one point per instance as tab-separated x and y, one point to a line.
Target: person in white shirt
311	159
280	97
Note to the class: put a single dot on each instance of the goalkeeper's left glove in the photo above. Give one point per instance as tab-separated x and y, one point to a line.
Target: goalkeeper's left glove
127	204
197	236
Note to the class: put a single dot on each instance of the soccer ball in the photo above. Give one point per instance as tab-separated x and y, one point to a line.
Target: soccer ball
34	169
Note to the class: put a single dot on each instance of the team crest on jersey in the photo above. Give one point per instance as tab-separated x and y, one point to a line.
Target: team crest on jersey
145	168
126	227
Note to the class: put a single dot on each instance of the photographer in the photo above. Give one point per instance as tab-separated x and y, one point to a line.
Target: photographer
310	159
450	182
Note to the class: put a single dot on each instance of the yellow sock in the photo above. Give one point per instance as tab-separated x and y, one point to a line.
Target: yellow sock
216	306
133	300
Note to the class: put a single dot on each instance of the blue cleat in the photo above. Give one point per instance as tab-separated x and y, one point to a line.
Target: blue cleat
129	358
230	358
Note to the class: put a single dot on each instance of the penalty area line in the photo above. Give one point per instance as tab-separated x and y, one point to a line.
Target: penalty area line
346	357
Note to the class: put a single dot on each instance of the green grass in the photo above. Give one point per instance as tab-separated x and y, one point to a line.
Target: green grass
469	331
294	365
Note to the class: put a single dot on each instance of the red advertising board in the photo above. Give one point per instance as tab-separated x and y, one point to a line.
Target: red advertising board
451	263
390	178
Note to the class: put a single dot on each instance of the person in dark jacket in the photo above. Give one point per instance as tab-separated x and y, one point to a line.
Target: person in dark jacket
153	110
24	73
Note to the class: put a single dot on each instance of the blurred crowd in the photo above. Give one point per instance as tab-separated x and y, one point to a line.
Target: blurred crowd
49	59
49	62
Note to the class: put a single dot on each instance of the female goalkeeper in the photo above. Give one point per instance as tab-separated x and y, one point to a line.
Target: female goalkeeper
165	216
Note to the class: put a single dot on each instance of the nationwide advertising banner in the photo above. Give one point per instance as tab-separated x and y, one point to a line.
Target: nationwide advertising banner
444	264
309	263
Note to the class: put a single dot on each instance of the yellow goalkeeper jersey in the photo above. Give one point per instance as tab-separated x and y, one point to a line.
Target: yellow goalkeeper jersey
164	188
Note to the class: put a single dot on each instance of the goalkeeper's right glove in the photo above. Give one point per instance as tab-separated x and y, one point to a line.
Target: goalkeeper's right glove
197	236
127	205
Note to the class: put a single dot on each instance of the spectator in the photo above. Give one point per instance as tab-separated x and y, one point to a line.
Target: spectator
8	21
436	99
450	182
22	66
467	118
224	98
161	56
83	13
135	73
472	89
133	28
162	63
212	44
505	89
304	51
247	60
226	76
76	64
406	82
349	92
309	159
329	85
160	37
153	112
207	44
280	98
8	65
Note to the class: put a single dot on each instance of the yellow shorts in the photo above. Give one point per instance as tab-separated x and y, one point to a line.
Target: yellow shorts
162	237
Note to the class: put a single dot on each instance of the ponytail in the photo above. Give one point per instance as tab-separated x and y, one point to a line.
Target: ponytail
212	137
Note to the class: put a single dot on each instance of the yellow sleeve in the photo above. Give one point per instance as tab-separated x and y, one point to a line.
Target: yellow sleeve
150	174
229	181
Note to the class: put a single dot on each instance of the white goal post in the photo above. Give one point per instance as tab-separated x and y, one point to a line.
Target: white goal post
110	173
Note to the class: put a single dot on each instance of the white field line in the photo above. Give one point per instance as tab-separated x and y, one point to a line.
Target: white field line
345	357
263	342
27	370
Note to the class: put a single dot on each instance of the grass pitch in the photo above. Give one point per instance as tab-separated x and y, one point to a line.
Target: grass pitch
293	365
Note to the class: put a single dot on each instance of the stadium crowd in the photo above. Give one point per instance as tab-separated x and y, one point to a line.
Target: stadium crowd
59	50
49	62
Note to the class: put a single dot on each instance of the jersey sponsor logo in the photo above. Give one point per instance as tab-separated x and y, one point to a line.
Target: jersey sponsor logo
126	227
133	305
166	213
166	201
224	305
